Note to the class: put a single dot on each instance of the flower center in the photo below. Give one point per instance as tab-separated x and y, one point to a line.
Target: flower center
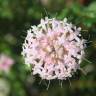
51	50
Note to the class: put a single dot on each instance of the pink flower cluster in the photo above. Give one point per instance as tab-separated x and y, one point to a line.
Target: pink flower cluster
55	49
5	62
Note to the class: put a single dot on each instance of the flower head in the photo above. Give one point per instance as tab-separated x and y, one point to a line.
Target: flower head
5	62
54	48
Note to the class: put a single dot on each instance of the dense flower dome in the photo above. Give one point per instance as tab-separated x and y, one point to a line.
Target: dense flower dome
54	48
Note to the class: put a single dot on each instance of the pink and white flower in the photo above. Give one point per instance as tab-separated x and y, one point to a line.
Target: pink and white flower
5	62
54	48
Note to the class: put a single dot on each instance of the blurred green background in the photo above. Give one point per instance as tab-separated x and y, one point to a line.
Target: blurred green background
16	16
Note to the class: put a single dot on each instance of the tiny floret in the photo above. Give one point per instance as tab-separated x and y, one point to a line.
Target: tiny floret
54	49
